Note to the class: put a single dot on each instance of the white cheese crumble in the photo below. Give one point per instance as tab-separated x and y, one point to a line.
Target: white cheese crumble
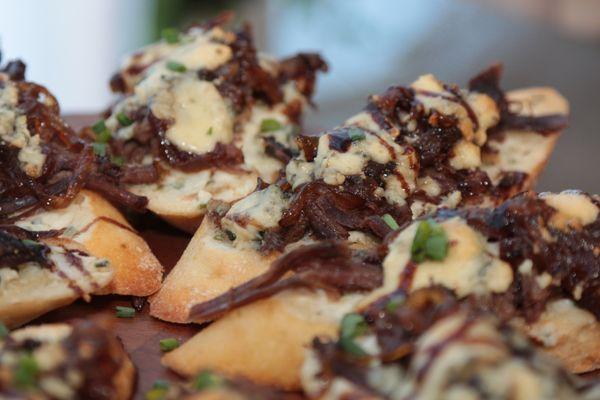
255	213
14	131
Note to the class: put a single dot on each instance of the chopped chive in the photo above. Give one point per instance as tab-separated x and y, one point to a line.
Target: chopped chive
390	221
3	330
219	236
124	312
161	384
353	325
209	132
99	127
356	134
207	380
394	303
176	66
202	206
170	35
270	125
26	373
156	394
169	344
99	148
117	160
123	119
101	264
430	242
29	242
102	132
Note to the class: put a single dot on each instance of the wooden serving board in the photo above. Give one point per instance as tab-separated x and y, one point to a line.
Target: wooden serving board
140	335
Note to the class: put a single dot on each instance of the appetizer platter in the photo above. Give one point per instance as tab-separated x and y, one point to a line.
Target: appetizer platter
196	242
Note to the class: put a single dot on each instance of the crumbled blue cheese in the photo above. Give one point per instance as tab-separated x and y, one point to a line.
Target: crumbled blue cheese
472	265
574	209
14	131
333	166
253	214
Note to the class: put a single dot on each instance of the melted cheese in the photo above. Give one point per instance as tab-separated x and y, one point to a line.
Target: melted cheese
201	117
471	266
574	208
258	211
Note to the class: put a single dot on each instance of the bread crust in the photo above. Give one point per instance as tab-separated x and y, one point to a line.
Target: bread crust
208	268
137	271
264	341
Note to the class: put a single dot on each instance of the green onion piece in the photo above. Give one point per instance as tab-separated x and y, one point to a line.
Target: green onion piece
430	242
102	133
207	380
99	149
101	264
26	373
3	330
394	303
209	132
156	394
356	134
124	312
353	325
390	221
270	125
161	384
123	119
176	66
170	35
29	242
351	347
99	127
169	344
117	160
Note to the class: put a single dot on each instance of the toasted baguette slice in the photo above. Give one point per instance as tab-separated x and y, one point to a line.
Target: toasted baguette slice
101	229
30	289
264	341
95	362
180	198
209	268
229	116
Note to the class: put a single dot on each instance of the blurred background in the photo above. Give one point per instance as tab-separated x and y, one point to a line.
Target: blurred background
74	46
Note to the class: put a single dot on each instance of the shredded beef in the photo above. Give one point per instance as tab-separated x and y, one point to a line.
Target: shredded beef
70	162
14	251
329	265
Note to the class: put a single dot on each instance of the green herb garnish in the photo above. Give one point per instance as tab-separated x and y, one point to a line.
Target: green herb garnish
124	312
117	160
3	330
159	390
430	242
99	149
29	242
169	344
123	119
170	35
394	303
356	134
390	221
270	125
207	380
353	326
209	132
102	132
101	264
176	66
27	371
